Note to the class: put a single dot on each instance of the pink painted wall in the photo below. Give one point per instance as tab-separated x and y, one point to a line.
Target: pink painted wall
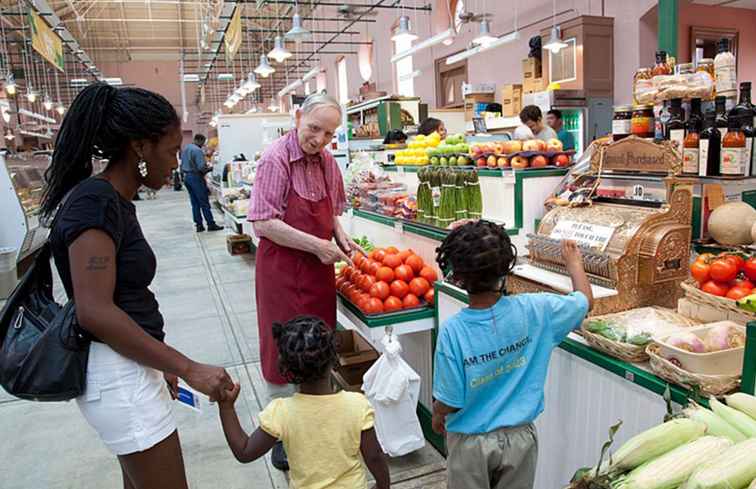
743	20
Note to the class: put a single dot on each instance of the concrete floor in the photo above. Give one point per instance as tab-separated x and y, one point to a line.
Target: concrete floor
207	299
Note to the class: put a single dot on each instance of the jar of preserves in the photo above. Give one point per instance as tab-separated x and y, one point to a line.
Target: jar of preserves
685	69
622	122
642	123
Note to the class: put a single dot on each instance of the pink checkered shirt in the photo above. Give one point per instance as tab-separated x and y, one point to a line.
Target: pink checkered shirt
283	166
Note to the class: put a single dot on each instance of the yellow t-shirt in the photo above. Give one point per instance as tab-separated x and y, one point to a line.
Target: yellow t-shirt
321	435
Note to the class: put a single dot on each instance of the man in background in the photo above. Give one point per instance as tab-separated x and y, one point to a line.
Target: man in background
554	120
533	127
194	167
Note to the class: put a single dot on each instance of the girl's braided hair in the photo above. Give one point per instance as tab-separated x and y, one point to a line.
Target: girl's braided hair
306	349
479	254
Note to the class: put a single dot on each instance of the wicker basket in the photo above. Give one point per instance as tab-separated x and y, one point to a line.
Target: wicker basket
728	307
626	351
713	385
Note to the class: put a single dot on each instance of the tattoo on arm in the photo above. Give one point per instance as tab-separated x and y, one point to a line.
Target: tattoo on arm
98	263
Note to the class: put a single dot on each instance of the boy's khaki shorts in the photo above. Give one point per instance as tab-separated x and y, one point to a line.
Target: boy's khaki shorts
501	459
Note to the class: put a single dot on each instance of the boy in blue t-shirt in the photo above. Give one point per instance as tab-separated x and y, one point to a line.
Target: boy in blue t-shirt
492	357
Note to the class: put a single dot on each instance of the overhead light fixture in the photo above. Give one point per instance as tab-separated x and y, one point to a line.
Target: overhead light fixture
9	135
225	76
251	84
191	77
31	95
297	33
312	73
484	34
10	84
291	87
404	33
479	49
555	43
264	69
443	37
115	82
279	52
448	41
273	106
79	81
48	103
60	109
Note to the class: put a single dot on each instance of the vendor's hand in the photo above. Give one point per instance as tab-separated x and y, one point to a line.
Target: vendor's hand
329	253
208	379
229	396
571	254
348	245
438	423
172	382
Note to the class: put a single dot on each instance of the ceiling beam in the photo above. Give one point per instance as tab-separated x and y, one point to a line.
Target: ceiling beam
396	5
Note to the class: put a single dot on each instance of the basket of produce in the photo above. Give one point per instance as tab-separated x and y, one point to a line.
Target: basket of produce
626	334
714	385
725	283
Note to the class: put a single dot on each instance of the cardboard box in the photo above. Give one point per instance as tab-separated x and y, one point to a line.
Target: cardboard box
238	244
511	100
478	88
477	103
532	85
353	349
531	68
350	378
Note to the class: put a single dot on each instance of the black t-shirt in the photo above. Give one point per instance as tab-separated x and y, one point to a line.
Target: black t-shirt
95	204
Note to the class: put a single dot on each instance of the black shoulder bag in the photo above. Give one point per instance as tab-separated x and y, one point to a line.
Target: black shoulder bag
43	354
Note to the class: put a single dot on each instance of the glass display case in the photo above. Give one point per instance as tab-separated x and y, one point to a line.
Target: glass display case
27	177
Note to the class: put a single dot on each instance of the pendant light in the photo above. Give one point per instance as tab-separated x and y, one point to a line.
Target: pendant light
484	34
264	69
279	52
10	84
273	106
555	43
60	109
31	95
297	33
403	33
251	84
48	103
9	135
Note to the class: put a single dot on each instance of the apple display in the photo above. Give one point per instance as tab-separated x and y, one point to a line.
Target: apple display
481	162
519	162
554	145
538	161
561	160
502	162
492	161
531	145
509	147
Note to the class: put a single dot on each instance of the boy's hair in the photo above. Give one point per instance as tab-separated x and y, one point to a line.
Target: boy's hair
306	349
479	254
556	113
530	113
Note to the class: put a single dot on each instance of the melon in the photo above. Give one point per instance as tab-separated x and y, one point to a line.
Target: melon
732	223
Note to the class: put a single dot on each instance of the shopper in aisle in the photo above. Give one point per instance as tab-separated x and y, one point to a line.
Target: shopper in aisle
106	266
324	450
533	126
299	194
194	168
555	121
491	359
431	125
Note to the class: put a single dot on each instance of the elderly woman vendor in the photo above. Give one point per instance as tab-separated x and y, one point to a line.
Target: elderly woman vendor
298	196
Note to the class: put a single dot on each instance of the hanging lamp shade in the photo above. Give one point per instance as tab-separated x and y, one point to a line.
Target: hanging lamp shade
31	95
297	33
9	135
484	34
251	84
10	84
264	69
47	103
555	43
404	33
60	109
279	52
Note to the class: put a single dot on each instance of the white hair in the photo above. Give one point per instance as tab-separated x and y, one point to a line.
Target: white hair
320	100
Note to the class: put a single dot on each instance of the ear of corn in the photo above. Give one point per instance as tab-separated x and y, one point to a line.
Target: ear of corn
734	468
745	403
715	425
740	421
653	443
753	485
674	467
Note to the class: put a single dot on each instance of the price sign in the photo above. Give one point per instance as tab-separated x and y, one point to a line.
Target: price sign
587	234
399	226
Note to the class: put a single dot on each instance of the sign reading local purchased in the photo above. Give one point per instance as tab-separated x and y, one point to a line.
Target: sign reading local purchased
233	37
584	233
45	41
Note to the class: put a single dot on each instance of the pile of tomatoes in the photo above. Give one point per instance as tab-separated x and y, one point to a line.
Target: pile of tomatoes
726	275
387	280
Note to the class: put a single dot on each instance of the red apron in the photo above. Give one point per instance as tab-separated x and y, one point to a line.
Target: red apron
289	282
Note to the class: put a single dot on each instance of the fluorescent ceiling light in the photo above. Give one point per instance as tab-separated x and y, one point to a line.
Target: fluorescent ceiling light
479	49
555	43
113	81
225	76
34	115
404	33
79	81
290	87
447	35
312	73
484	34
191	77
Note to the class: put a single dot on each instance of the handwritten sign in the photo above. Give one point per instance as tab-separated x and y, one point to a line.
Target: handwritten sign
587	234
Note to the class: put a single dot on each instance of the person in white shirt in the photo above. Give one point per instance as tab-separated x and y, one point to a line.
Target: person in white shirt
533	126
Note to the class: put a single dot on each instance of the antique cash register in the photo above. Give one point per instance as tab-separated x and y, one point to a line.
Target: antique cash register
635	243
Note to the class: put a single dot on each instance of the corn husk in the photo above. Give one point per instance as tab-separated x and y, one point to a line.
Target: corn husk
745	403
715	425
735	468
653	443
739	420
674	467
753	485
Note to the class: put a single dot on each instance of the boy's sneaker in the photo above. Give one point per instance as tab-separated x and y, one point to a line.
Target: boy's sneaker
279	458
214	227
200	229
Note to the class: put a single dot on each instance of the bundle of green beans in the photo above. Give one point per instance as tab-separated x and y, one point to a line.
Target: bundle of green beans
425	210
474	196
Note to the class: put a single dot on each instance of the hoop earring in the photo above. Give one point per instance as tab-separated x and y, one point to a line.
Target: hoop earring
142	167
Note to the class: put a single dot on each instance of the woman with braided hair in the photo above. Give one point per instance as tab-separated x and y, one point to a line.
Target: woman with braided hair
324	451
492	357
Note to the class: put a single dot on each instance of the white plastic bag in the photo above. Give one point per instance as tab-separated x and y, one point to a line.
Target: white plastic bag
393	389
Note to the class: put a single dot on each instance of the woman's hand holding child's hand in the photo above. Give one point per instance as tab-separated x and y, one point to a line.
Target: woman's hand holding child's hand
229	396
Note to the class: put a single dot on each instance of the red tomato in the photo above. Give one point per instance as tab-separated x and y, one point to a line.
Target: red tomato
365	266
392	261
705	257
742	283
379	256
374	267
343	288
700	271
404	254
737	293
723	270
340	281
410	301
358	259
372	253
404	272
419	286
429	274
354	295
736	260
750	268
374	306
385	274
399	288
713	288
367	283
430	297
392	250
362	303
415	263
357	278
380	290
347	272
392	304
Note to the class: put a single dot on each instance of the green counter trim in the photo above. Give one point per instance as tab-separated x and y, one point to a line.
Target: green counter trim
519	193
748	381
426	422
372	216
749	197
387	319
697	216
434	234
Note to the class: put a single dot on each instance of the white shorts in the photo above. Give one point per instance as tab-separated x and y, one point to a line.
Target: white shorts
128	404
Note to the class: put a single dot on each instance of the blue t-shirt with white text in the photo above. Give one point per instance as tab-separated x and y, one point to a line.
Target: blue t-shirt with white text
491	363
